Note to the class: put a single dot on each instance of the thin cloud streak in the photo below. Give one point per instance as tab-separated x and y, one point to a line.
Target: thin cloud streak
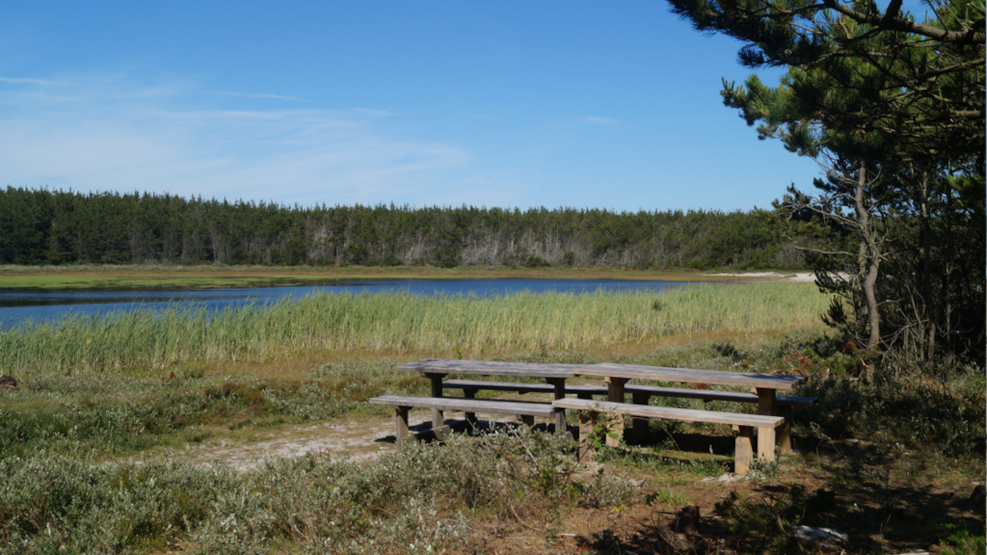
257	95
27	81
101	135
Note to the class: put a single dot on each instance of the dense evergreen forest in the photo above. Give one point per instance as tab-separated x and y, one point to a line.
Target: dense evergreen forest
58	227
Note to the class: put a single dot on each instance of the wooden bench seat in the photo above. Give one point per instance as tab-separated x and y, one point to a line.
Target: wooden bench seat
746	423
634	389
472	386
525	409
710	395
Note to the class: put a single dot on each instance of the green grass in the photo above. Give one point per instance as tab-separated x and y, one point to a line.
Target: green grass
96	416
457	326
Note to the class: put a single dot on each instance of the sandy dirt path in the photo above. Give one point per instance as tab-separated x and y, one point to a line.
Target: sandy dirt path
357	440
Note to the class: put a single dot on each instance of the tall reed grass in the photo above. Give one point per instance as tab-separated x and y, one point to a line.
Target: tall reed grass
464	326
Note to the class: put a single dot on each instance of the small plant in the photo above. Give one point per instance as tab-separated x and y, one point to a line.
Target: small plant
602	428
665	496
962	539
764	470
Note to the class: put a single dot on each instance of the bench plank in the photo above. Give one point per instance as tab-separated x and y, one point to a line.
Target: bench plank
521	388
708	395
685	415
701	394
483	406
491	368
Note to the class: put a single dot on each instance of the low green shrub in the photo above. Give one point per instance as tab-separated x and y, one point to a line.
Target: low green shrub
422	498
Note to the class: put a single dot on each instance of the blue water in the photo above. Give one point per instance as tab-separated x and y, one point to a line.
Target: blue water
17	307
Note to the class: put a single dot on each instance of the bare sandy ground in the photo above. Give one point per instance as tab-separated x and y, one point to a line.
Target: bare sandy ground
774	276
357	441
354	440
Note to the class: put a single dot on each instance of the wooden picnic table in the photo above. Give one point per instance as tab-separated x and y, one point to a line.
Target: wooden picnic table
616	377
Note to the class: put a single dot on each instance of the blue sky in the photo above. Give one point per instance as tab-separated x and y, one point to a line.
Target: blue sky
509	104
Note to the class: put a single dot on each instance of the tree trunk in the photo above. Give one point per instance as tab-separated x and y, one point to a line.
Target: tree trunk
949	267
872	259
930	311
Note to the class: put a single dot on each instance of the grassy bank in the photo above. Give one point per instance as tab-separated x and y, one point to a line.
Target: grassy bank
455	326
169	276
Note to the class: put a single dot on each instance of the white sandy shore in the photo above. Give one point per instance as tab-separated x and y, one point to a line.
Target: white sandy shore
774	276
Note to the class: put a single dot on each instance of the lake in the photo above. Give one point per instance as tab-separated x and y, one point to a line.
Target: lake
20	306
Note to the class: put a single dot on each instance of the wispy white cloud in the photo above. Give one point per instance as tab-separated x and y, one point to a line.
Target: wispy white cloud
27	81
596	120
255	95
109	133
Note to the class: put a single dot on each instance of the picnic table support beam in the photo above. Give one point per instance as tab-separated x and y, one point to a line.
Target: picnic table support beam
560	423
765	436
785	431
470	416
615	394
402	433
586	451
640	425
437	418
743	453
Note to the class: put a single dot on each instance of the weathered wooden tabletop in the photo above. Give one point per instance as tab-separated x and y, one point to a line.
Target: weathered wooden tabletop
489	368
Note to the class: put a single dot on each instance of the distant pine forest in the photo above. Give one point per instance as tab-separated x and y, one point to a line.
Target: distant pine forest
42	227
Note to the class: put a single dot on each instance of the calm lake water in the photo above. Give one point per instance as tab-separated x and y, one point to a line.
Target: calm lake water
17	307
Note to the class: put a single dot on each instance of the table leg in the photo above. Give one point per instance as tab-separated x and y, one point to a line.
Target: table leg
437	418
402	433
615	394
743	456
470	416
766	436
586	452
639	425
785	432
560	423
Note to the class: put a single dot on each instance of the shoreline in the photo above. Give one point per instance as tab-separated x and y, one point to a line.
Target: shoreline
210	276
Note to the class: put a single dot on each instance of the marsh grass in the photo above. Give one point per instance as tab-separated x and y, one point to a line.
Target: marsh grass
454	326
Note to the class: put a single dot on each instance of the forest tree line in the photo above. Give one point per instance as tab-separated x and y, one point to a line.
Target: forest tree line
44	226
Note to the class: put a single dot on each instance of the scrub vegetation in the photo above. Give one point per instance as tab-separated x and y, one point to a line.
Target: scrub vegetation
92	449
